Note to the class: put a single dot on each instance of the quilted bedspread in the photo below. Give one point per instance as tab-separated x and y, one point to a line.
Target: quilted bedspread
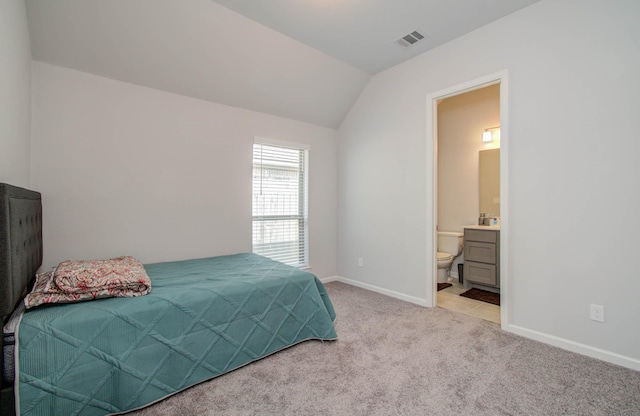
203	318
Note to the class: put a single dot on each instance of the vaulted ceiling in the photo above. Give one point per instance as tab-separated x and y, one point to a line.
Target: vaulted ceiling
363	32
306	60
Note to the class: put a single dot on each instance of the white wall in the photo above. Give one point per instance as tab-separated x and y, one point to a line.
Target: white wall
130	170
574	191
15	93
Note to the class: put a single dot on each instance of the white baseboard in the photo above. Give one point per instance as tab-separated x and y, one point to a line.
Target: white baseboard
576	347
329	279
565	344
387	292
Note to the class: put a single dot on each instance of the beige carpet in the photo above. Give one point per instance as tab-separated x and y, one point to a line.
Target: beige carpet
395	358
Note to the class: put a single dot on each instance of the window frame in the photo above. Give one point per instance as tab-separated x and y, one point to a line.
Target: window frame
302	217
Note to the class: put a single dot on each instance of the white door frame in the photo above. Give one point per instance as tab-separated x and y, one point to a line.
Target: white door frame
432	183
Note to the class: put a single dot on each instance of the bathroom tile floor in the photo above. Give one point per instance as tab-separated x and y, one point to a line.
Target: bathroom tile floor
450	298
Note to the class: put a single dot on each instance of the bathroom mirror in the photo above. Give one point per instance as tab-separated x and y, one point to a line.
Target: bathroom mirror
490	181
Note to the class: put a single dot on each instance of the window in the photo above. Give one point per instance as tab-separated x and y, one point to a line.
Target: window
280	203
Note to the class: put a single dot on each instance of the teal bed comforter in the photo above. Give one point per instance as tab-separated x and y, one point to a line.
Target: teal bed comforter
203	318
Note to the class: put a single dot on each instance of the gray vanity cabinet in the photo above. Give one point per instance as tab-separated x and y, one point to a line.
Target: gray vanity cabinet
482	256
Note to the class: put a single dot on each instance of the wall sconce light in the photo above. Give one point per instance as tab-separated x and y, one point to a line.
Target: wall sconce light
491	134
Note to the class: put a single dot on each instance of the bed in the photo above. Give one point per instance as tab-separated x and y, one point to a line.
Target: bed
203	318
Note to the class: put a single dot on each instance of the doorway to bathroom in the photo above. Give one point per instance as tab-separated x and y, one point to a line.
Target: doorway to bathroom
467	123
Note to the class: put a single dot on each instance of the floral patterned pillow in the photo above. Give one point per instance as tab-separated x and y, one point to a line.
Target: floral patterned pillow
75	281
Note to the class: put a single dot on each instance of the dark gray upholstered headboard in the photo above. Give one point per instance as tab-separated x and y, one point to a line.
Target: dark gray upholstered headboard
20	242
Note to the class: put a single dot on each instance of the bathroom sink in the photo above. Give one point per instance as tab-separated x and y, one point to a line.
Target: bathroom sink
483	227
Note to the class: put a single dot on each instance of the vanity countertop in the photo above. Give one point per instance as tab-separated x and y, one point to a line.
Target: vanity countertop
483	227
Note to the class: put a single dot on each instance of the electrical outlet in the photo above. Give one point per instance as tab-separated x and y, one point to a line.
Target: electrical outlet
360	262
597	313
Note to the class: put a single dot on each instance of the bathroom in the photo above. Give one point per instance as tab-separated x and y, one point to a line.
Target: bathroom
468	132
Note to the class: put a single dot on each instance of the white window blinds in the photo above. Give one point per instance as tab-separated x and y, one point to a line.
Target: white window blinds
280	203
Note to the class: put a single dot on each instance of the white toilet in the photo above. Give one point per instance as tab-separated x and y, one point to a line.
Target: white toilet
449	247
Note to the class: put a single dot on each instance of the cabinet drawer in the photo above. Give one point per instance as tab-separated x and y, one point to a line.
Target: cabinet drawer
481	235
481	252
481	273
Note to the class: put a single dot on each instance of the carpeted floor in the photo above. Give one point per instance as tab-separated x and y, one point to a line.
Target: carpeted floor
395	358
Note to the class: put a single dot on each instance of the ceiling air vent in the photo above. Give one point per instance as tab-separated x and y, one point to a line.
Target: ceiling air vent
410	39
